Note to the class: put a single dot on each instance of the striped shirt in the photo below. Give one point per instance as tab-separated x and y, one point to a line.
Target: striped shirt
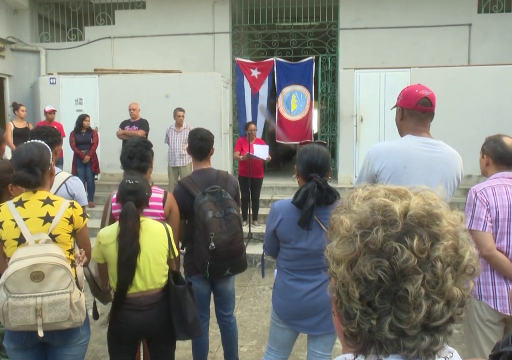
177	140
489	209
154	211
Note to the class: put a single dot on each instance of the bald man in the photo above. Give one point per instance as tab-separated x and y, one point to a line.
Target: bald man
135	126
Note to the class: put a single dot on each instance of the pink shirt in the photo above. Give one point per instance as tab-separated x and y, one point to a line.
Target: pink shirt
154	211
56	125
489	209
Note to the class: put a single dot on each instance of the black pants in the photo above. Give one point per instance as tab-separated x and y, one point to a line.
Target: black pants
255	190
142	317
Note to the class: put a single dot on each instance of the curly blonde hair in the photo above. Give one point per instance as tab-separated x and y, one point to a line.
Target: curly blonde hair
402	266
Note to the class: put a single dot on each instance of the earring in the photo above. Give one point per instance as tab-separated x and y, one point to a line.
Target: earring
329	179
295	178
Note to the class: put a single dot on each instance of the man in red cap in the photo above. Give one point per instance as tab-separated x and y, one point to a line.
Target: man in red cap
416	159
49	114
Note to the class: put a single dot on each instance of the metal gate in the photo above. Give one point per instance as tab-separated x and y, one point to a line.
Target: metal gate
294	30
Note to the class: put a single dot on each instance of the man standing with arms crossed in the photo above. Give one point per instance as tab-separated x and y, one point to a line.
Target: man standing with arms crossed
489	220
134	126
49	120
176	137
416	159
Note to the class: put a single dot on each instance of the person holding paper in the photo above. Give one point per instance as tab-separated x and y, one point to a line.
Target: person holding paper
250	182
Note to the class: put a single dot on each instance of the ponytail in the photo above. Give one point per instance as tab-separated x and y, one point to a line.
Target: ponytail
316	191
128	249
133	196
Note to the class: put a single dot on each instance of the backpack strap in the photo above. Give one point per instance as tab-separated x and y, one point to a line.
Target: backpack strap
321	225
222	179
23	227
190	185
60	179
168	239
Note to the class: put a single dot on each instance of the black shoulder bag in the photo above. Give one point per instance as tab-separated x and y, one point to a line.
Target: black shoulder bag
183	303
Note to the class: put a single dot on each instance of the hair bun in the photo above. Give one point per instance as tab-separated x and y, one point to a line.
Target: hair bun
14	104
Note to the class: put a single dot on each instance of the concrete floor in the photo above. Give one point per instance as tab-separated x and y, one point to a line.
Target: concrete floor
253	315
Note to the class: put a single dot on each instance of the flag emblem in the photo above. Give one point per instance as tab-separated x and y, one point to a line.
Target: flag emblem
294	102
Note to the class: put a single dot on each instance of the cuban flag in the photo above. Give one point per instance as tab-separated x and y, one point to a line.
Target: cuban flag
294	110
253	80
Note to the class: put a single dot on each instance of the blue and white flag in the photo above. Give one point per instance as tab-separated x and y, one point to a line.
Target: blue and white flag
253	80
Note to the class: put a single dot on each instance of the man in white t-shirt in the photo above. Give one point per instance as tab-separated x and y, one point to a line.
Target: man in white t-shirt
416	159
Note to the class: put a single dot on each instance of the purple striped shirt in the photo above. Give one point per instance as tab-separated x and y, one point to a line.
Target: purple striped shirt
489	209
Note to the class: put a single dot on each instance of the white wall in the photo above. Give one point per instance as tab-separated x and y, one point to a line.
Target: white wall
192	36
5	16
472	103
405	33
158	95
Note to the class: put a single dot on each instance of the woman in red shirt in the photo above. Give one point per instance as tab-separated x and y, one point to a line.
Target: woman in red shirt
244	146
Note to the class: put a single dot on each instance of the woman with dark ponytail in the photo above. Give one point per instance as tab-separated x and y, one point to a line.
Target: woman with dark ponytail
295	237
133	257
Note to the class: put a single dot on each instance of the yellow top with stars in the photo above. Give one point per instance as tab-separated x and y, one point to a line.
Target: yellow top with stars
37	209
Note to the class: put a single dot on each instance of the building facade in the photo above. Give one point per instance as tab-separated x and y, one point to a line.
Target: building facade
365	52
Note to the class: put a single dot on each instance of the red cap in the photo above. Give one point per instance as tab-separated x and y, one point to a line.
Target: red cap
49	108
409	97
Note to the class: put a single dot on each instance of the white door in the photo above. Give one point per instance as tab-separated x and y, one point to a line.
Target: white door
375	94
78	95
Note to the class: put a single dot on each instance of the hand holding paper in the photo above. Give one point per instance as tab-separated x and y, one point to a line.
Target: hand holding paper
260	151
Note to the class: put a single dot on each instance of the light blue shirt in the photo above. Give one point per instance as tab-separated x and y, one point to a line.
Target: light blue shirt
299	298
72	189
413	161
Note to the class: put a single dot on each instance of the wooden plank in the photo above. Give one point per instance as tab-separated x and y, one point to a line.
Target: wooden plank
136	71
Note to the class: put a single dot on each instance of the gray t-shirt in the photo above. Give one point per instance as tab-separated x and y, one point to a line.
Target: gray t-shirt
413	161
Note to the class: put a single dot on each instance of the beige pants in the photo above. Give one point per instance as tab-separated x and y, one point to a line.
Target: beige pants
483	328
177	172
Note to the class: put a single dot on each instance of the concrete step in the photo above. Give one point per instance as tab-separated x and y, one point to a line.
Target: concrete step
267	189
101	197
266	201
95	213
281	190
93	226
458	203
254	250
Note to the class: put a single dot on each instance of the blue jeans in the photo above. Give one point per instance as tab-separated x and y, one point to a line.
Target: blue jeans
60	163
281	340
70	344
84	173
224	298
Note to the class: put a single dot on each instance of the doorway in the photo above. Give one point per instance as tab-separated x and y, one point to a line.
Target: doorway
292	31
3	102
375	94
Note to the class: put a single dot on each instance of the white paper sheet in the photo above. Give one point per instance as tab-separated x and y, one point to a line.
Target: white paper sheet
261	151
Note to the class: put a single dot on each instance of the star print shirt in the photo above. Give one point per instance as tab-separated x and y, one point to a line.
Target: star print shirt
38	210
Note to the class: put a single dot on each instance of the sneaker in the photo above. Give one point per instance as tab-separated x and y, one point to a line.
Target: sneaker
256	224
244	224
91	205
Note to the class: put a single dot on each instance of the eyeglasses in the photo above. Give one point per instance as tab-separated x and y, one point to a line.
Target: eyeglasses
307	142
252	131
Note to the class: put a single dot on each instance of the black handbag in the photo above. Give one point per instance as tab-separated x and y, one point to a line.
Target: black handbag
183	304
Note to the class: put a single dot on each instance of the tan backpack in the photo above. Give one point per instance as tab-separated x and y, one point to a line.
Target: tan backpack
38	291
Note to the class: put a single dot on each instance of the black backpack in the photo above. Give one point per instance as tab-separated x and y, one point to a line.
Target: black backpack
217	236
